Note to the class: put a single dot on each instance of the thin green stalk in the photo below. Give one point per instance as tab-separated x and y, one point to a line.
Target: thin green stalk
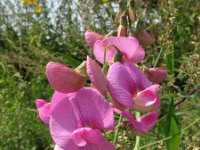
158	57
137	142
117	130
169	137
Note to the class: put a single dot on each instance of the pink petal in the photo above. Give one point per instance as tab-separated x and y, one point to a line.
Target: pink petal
91	37
63	122
121	85
149	120
156	74
83	136
138	76
144	101
154	90
64	79
130	48
57	148
93	109
96	75
43	108
98	51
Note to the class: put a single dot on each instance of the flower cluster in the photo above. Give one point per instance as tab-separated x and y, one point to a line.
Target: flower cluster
77	114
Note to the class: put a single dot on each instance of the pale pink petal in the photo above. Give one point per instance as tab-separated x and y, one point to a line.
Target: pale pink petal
144	101
156	74
149	120
64	79
96	75
93	109
43	108
98	50
137	76
154	89
63	122
130	47
83	136
91	37
57	148
121	86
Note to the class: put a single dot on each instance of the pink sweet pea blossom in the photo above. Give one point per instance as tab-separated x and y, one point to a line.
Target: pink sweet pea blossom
128	46
130	88
156	75
142	125
91	37
96	75
64	79
44	108
77	120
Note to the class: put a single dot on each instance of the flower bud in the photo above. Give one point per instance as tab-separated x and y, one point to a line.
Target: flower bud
122	29
131	11
122	7
145	38
156	74
64	79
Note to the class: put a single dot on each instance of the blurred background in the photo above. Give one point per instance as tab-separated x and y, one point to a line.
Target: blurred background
34	32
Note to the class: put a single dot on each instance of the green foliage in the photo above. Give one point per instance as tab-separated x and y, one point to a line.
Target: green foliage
28	41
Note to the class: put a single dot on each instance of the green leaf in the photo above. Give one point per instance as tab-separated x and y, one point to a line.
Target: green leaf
172	129
169	61
71	61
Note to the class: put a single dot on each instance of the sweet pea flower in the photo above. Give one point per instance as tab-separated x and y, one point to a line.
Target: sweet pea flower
142	125
77	120
96	75
128	46
156	75
130	88
91	37
45	108
64	79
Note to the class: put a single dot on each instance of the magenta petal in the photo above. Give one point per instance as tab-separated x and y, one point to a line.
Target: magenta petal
98	51
64	79
93	109
121	86
91	37
63	122
96	75
130	47
144	100
43	108
157	74
83	136
137	75
149	120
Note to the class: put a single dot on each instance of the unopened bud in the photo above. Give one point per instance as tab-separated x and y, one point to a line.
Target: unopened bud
122	8
122	29
145	38
131	11
156	75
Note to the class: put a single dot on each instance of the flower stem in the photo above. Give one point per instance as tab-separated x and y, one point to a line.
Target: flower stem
117	130
137	142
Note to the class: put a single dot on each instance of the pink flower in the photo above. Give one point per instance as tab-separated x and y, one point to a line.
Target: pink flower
91	37
130	88
76	121
64	79
44	108
96	75
142	125
128	46
156	75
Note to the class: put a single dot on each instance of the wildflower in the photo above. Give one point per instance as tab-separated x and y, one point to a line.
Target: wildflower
156	75
38	9
76	121
130	88
128	46
31	2
91	37
96	76
24	2
64	79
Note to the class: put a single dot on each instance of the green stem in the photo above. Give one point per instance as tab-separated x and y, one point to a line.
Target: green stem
117	130
158	57
137	142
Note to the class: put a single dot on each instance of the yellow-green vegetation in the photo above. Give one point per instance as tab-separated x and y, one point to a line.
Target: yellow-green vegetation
33	34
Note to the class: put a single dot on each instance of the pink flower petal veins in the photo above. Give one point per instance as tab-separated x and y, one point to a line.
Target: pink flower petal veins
64	79
91	37
96	75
